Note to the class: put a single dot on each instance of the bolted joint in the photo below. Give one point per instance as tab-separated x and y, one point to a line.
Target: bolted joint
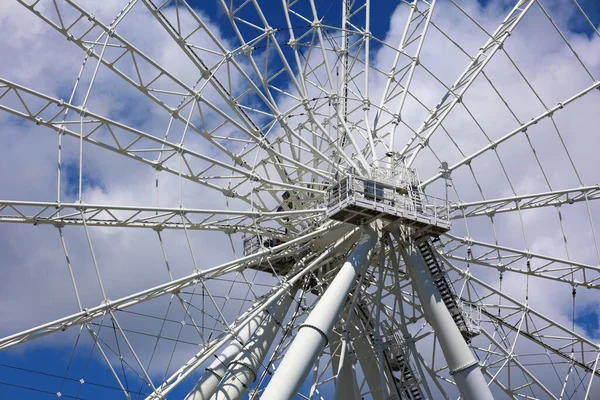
247	50
158	228
229	193
293	44
254	178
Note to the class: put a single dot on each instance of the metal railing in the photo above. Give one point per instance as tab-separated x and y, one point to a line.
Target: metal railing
253	243
472	316
399	176
397	200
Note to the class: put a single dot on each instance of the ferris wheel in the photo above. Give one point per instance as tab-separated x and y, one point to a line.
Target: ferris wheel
305	199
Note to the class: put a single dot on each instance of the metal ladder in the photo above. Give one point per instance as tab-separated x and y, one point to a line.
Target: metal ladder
438	274
417	200
394	351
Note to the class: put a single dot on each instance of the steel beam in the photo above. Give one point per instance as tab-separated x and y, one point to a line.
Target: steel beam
199	358
313	335
538	340
554	198
36	107
157	218
521	128
400	78
566	336
88	314
86	26
366	351
508	259
214	373
462	364
343	363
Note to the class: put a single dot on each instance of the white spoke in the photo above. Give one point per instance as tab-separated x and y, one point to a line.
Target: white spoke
299	199
522	128
88	315
509	259
464	81
526	201
395	87
157	218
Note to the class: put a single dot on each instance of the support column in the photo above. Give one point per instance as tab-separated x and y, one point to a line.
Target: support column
346	387
463	366
370	363
209	382
243	370
313	334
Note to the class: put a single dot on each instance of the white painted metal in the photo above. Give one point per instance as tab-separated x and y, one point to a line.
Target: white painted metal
523	202
216	374
200	357
343	361
426	10
522	128
96	123
241	370
312	337
157	218
268	113
566	333
464	368
520	261
89	314
377	375
460	86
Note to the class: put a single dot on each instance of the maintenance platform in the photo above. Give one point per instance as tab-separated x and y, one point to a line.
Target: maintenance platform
391	194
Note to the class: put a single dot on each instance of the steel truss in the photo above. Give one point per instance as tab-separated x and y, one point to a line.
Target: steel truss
118	138
87	315
524	202
532	325
508	259
521	129
464	81
157	218
276	114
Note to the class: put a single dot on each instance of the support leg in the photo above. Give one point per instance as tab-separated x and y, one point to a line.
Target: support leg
342	362
372	368
243	370
208	383
313	334
463	365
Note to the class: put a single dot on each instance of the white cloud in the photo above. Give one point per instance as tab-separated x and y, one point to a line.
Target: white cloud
129	260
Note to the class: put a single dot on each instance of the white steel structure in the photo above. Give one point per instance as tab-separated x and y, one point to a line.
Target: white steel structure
345	199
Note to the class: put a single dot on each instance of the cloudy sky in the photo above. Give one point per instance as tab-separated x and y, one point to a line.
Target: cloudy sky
552	55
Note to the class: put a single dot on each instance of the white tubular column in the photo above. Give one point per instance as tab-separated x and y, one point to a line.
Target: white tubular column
346	387
463	366
313	335
243	370
213	374
209	382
